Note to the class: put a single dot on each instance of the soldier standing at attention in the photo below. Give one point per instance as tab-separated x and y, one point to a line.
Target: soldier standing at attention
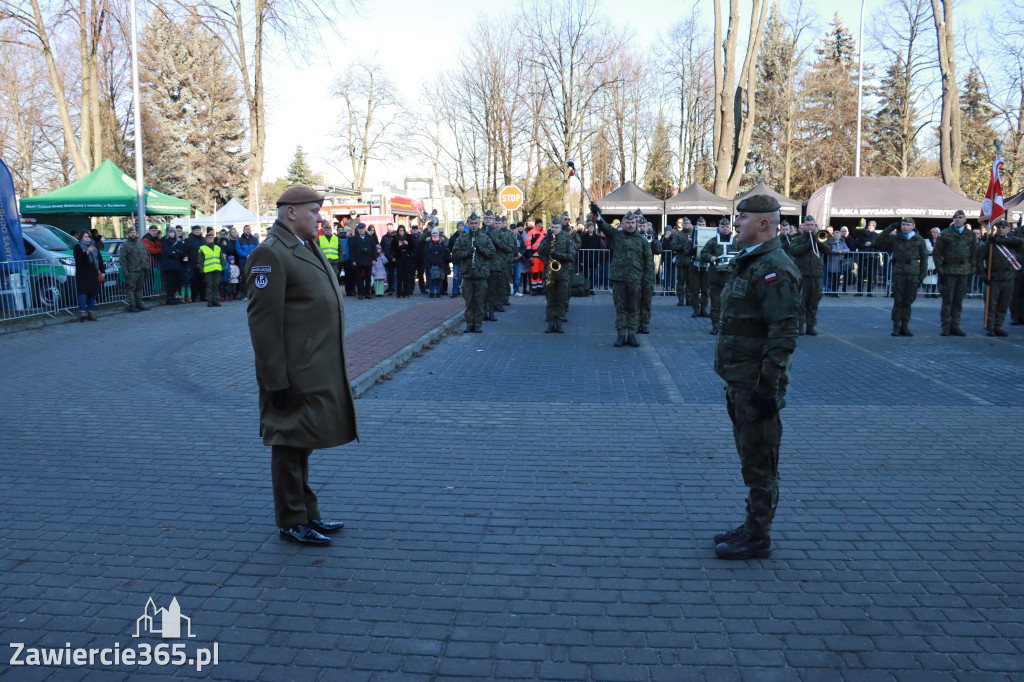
681	245
808	254
1005	263
760	307
498	280
647	288
954	259
557	247
909	267
473	252
134	264
491	302
631	256
297	326
719	274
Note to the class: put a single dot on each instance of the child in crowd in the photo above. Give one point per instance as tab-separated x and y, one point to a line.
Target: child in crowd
379	272
233	275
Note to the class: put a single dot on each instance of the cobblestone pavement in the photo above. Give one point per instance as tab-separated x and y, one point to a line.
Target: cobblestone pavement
523	505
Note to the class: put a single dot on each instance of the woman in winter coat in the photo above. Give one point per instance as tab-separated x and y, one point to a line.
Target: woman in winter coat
88	268
435	257
404	249
171	251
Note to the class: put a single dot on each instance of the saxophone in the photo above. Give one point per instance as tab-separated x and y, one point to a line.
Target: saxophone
553	265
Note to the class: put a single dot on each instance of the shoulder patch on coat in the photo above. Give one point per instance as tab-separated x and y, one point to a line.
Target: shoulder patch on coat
261	281
771	277
260	268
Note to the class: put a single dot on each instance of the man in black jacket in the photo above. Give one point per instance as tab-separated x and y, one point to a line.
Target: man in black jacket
419	239
362	251
192	244
389	254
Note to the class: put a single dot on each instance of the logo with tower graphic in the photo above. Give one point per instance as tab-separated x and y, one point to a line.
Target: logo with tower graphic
163	622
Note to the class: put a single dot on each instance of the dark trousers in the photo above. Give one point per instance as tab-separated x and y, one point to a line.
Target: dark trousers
363	281
718	282
810	297
474	291
336	266
1017	302
954	288
421	278
557	294
404	276
199	283
757	443
626	297
133	288
698	288
389	268
211	283
904	293
294	501
1000	291
350	278
682	276
171	284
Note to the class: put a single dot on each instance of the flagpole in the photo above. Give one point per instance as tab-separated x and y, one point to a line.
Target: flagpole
860	89
140	186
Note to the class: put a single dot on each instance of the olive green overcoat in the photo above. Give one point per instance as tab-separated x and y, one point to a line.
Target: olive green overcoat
297	326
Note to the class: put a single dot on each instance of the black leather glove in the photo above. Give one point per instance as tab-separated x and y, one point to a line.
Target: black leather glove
594	210
764	407
280	398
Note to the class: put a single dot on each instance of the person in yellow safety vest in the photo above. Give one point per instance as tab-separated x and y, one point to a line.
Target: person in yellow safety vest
331	246
210	264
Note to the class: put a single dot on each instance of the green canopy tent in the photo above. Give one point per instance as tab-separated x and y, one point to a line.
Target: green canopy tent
107	191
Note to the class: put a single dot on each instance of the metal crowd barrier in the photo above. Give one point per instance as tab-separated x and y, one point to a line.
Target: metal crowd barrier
32	288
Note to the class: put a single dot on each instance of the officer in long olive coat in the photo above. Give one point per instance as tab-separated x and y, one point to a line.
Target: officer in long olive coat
297	326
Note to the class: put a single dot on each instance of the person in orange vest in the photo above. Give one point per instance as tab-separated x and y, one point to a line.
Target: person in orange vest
533	239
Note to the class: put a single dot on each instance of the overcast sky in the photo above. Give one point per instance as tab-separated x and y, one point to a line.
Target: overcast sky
300	110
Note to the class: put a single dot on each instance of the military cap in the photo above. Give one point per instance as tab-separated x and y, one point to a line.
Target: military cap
1000	223
907	219
959	212
299	195
490	213
639	212
700	221
785	223
724	221
809	218
759	203
473	216
556	222
628	216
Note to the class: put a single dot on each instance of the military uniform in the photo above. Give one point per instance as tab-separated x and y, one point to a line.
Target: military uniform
718	275
647	290
808	254
631	258
473	251
297	325
1005	260
697	284
681	245
954	262
134	259
498	279
909	267
562	249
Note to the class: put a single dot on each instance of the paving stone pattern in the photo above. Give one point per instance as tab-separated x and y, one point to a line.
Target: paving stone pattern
523	505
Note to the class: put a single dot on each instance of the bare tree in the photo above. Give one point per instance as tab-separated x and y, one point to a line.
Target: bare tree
370	111
950	137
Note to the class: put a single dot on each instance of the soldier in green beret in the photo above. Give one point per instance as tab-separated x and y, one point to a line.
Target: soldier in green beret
909	267
631	259
998	264
473	252
809	255
954	261
760	308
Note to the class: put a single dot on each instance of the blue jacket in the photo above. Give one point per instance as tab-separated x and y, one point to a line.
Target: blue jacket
344	248
244	246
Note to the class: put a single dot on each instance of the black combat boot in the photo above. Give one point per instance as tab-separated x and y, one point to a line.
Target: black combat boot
141	307
478	329
1000	332
904	329
744	546
704	313
696	313
558	328
988	331
715	331
643	329
550	329
491	317
499	308
810	330
619	342
895	329
730	535
132	309
468	329
631	340
957	331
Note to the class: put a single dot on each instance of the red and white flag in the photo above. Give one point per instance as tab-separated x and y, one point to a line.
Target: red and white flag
992	207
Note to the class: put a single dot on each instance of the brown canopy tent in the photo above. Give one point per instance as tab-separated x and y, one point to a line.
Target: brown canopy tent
886	199
694	202
790	207
630	197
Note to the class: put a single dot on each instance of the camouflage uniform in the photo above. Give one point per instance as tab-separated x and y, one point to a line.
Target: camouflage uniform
681	245
631	258
1001	280
556	284
760	310
909	267
647	290
718	275
134	264
498	280
474	273
954	261
808	254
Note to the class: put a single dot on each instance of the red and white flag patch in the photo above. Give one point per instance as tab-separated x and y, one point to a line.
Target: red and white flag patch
771	277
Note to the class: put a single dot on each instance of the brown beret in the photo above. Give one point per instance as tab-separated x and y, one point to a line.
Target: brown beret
759	203
299	195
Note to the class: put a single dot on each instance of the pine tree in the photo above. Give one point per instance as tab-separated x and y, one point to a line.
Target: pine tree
976	117
193	131
658	176
766	158
828	114
299	172
892	128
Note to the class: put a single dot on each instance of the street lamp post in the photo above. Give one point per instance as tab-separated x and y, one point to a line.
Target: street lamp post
140	186
860	88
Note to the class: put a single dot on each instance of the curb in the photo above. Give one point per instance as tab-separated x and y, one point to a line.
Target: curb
40	321
368	379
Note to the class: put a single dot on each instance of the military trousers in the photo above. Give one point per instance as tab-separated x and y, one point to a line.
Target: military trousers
718	282
474	292
1000	291
698	288
904	293
757	443
682	282
646	300
1017	302
557	295
810	297
954	288
494	296
133	288
212	280
505	285
294	501
626	297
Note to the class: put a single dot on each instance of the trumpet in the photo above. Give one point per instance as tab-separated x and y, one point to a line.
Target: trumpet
822	235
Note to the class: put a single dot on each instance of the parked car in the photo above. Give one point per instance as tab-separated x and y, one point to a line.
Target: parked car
51	266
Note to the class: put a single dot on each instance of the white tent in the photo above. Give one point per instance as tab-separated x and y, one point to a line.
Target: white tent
231	213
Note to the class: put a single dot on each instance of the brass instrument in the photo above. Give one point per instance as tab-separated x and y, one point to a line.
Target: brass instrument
822	236
553	264
472	262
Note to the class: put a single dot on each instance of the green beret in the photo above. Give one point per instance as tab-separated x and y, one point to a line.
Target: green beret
759	203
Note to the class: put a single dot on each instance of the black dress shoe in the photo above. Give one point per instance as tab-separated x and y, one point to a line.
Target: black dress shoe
326	527
744	546
729	535
304	535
